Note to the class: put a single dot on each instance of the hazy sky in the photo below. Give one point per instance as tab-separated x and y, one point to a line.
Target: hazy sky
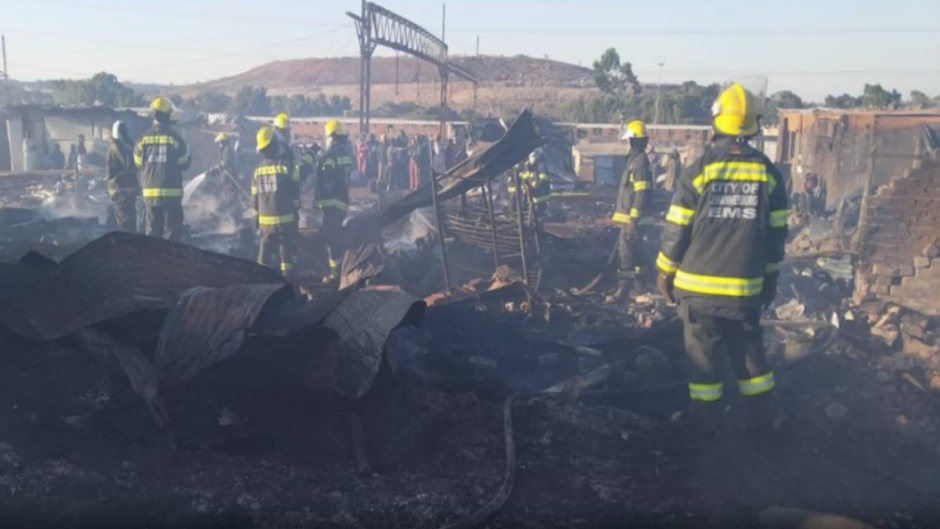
811	47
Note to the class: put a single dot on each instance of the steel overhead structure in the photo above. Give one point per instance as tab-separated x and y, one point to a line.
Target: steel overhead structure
378	26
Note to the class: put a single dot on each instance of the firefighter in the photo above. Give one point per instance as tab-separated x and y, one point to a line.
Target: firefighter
632	212
274	192
720	258
227	161
332	192
123	186
536	186
162	155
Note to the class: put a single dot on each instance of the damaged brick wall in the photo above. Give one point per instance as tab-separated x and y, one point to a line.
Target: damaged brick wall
900	241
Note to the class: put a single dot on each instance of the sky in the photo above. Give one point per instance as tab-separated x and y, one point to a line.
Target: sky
814	48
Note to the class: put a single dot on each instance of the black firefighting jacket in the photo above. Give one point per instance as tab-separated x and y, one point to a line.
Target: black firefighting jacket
635	185
332	178
726	228
536	183
274	192
121	170
162	155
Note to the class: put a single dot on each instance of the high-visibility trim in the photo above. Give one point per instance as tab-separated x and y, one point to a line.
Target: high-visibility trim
770	268
734	172
666	264
757	385
539	200
525	175
778	218
634	213
706	392
333	263
543	176
254	190
621	218
719	286
287	267
333	203
680	215
184	159
160	192
159	140
138	160
512	189
275	220
329	162
296	174
271	170
641	185
344	160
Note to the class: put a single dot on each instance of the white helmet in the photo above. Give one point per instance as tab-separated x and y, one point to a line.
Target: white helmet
116	130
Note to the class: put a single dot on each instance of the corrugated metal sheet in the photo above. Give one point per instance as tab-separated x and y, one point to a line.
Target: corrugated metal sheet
206	326
121	273
362	322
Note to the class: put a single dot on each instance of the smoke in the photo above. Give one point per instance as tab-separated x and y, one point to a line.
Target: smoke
419	225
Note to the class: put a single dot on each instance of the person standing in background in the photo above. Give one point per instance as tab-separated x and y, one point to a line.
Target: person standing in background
82	162
121	174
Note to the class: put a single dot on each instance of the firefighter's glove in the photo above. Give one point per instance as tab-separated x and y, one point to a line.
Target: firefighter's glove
769	292
665	284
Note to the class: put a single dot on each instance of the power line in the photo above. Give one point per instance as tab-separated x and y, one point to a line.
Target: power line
664	32
188	14
111	42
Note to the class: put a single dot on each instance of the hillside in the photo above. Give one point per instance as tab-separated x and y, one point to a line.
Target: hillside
512	82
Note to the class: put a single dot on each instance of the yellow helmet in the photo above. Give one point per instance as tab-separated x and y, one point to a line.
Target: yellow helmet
221	137
162	104
635	129
265	137
334	128
282	121
735	112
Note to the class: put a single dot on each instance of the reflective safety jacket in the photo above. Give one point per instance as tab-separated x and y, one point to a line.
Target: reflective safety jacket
726	227
538	186
332	178
635	186
162	155
121	170
274	192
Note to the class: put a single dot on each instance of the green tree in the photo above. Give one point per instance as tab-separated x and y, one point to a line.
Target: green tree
211	101
920	99
874	95
101	89
787	99
614	77
252	100
843	101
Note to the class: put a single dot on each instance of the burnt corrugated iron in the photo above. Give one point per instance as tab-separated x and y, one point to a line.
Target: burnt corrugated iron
362	322
208	325
121	273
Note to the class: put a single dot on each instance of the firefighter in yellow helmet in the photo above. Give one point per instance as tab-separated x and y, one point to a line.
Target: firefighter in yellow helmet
227	159
720	257
632	211
274	192
301	164
332	192
536	187
162	155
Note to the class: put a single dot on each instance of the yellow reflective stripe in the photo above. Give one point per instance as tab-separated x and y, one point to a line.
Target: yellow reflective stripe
641	185
138	159
270	170
254	190
757	385
512	189
540	199
344	160
157	192
159	140
666	264
778	218
706	392
634	213
184	159
274	220
719	286
735	172
680	215
621	217
329	162
333	203
287	267
525	175
543	176
333	264
771	268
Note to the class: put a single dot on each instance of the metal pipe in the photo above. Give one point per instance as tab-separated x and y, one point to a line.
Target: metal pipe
521	224
488	196
440	233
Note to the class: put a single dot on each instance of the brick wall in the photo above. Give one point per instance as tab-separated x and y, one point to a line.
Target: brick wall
900	241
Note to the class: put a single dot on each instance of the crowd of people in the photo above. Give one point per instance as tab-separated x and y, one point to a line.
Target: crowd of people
406	162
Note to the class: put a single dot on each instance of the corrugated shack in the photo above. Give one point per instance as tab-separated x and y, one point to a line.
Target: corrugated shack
44	127
844	147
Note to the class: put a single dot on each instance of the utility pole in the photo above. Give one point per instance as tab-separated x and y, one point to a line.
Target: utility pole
475	84
659	93
6	73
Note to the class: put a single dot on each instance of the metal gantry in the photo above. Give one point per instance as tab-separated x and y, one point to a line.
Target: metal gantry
377	26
